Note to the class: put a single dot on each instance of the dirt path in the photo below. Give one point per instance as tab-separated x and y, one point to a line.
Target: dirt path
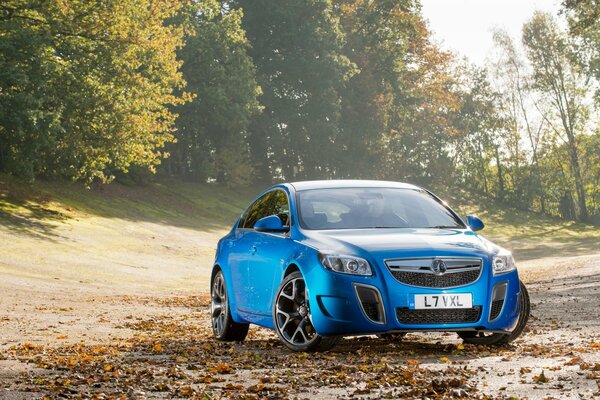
60	339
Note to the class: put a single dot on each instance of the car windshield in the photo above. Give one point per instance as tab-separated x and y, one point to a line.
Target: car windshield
360	208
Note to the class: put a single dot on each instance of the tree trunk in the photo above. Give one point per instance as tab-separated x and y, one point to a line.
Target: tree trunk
500	175
579	186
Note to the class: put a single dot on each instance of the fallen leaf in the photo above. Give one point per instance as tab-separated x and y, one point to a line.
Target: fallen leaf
223	368
186	391
541	378
573	361
157	348
259	387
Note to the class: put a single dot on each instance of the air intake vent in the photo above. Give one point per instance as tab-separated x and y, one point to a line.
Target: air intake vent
438	316
498	295
371	303
496	308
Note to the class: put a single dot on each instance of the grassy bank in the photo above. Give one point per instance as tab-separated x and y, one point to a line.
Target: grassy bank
168	230
159	237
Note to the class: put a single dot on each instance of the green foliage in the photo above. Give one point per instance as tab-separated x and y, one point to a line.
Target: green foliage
584	23
86	86
212	128
555	73
382	102
480	126
297	50
240	91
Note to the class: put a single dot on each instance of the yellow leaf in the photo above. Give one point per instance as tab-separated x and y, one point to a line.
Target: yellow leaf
157	348
444	359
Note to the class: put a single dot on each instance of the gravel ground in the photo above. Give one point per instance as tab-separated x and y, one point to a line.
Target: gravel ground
61	340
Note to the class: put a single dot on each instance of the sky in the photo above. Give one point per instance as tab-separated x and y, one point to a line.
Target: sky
465	26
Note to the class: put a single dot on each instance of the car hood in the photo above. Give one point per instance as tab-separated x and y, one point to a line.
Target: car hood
401	243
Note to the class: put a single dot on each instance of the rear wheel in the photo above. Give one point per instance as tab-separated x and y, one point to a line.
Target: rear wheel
224	327
498	339
292	317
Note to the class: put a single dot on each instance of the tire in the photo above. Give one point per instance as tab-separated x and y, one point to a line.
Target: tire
224	327
499	339
292	317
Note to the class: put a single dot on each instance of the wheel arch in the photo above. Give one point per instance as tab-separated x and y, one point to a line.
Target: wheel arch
231	297
292	267
216	268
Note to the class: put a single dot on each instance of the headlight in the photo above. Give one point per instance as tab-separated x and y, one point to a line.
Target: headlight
346	264
503	262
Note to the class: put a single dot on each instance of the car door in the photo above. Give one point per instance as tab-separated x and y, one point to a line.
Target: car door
269	254
243	247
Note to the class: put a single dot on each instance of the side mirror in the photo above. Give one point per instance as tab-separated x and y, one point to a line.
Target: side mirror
475	223
272	223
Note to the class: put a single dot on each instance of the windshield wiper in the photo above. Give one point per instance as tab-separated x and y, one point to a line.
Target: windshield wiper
444	227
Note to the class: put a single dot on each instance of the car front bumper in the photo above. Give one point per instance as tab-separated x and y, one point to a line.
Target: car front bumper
352	305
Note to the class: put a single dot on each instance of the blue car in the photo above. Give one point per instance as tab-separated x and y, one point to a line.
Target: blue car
319	260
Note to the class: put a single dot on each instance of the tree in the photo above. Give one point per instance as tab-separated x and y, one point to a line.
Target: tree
86	85
379	41
559	77
422	124
211	129
297	49
525	117
481	126
396	110
584	24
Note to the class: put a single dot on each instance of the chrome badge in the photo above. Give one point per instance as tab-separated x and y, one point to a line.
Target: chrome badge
438	266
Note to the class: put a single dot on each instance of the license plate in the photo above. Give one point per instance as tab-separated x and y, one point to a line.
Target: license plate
455	300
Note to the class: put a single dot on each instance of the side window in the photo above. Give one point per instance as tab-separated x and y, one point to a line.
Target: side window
272	203
281	207
259	209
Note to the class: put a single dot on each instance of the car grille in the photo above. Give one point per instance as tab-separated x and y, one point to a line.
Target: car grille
436	281
496	308
438	316
419	272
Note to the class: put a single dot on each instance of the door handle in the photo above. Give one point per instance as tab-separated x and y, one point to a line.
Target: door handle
253	249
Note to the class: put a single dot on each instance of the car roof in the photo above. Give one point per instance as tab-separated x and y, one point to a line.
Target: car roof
349	183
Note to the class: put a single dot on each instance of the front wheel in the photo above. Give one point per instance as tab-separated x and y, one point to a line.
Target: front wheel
291	314
498	339
224	327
